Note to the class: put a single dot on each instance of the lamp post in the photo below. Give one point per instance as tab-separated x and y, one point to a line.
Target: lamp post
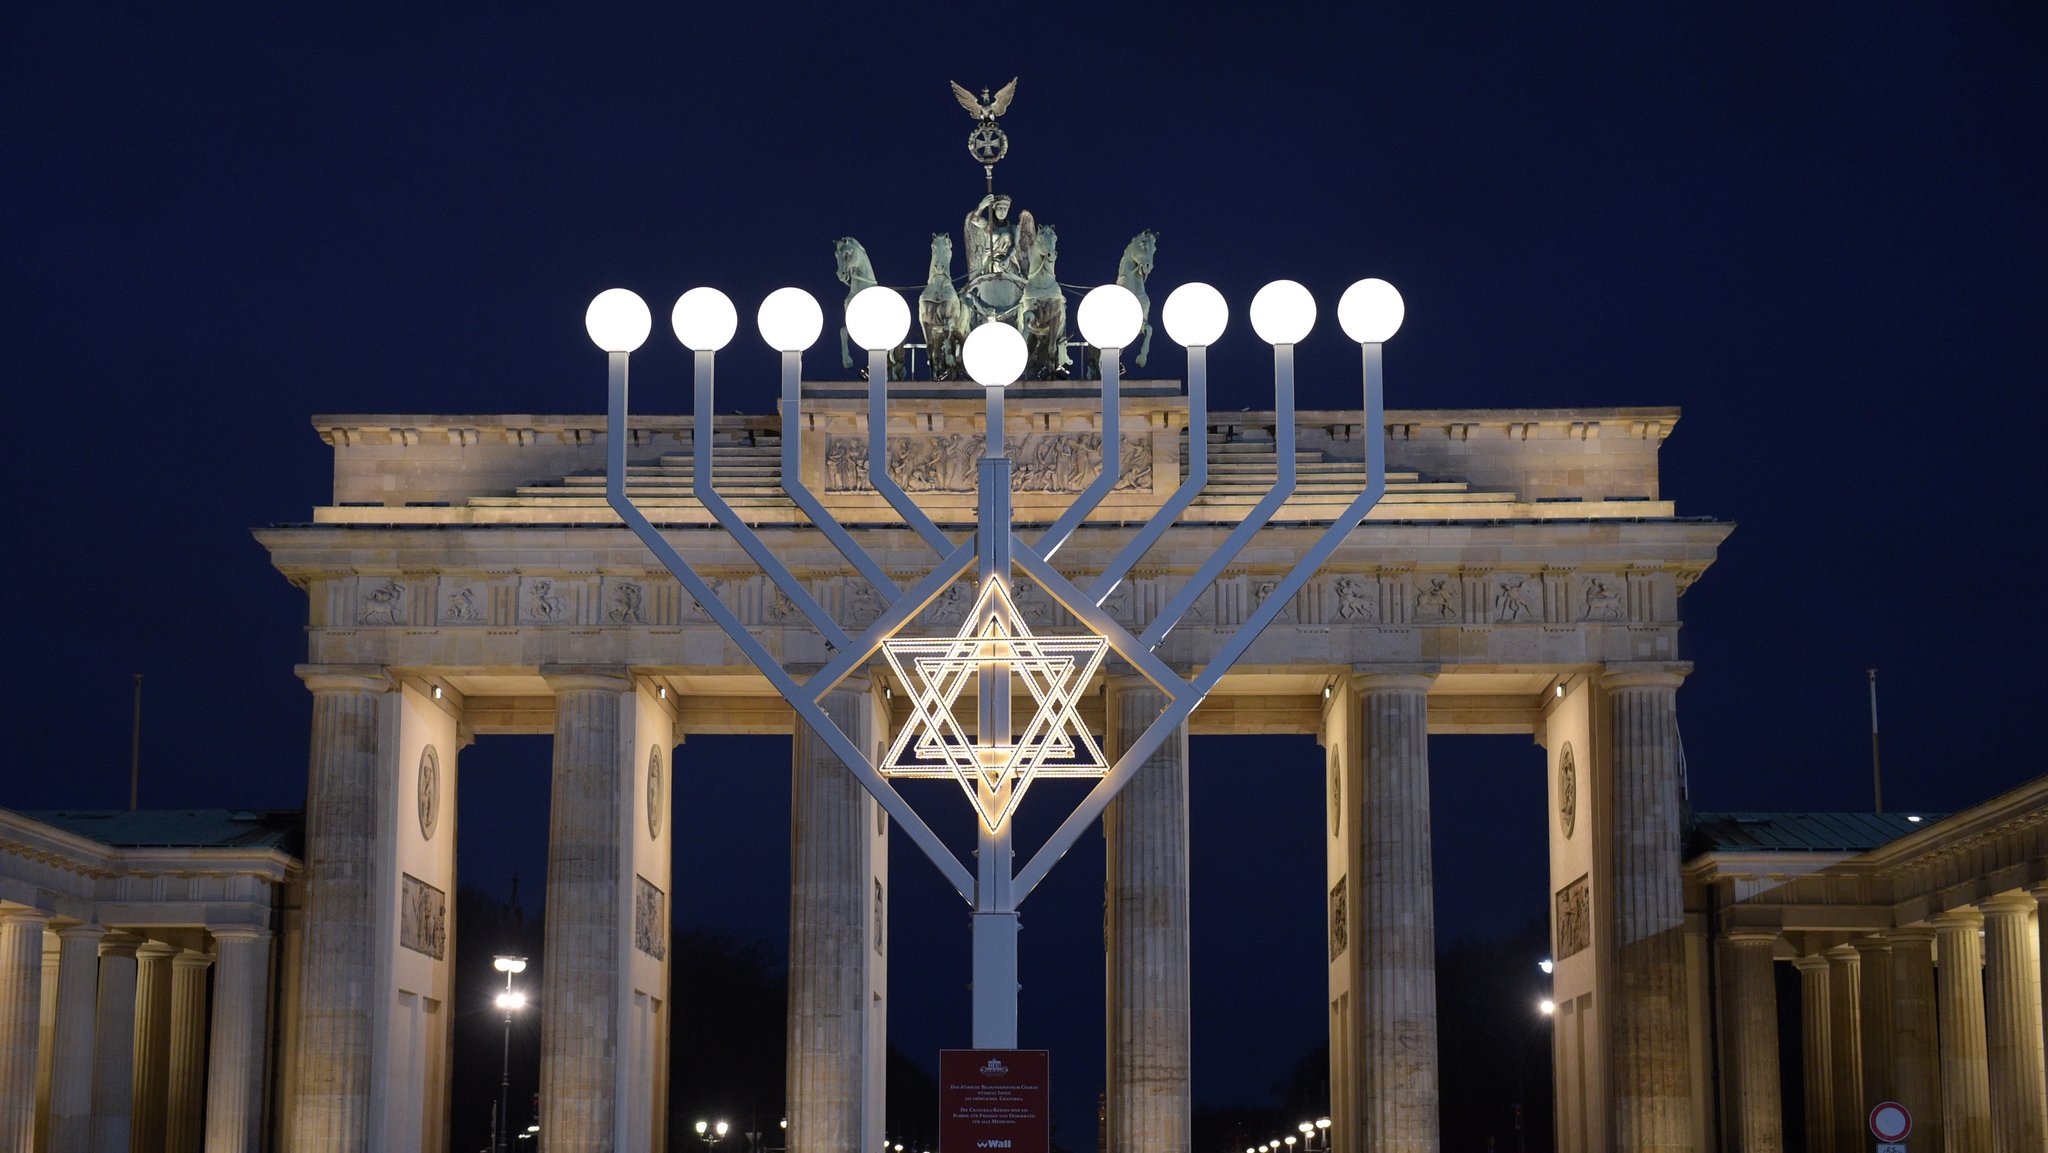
712	1132
510	1001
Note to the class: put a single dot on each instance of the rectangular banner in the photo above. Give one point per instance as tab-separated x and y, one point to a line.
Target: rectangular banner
994	1099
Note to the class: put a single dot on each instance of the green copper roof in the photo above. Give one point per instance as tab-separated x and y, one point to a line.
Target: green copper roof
1797	832
182	828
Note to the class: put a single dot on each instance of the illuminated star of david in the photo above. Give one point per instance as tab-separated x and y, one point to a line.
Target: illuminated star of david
993	770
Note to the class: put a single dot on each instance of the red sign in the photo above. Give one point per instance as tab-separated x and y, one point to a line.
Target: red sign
1890	1122
994	1099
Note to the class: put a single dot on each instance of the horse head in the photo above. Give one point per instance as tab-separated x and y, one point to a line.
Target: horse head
851	257
1141	251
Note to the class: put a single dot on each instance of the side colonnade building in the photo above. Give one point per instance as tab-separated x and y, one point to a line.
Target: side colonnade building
146	960
1919	946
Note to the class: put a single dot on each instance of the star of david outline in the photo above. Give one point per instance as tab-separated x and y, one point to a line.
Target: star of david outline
1053	670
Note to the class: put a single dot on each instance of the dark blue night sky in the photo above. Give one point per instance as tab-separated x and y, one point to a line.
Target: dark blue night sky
1818	229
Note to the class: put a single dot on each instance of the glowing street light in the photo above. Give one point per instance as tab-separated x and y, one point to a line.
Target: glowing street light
712	1132
512	1000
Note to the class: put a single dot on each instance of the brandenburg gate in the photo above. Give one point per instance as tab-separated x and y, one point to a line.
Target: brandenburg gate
1049	571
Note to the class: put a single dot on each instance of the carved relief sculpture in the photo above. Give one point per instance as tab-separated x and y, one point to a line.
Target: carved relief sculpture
462	606
1574	919
656	793
1603	600
1339	930
422	917
650	914
1515	600
429	790
627	607
383	605
1357	600
541	602
1567	791
1437	600
1058	462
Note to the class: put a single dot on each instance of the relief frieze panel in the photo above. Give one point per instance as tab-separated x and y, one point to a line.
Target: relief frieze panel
1574	919
1051	462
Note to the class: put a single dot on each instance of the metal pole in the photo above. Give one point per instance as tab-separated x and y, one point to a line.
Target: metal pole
135	750
505	1081
1876	776
995	914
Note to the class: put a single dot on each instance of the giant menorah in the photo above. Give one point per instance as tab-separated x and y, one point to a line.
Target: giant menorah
993	651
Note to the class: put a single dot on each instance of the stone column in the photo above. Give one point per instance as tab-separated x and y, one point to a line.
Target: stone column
1816	1051
1965	1081
21	1007
337	985
78	991
185	1089
234	1067
152	1045
1396	940
1755	1123
2013	1031
1876	1015
580	986
1652	1080
829	900
46	1050
1916	1052
1845	1032
1145	830
113	1066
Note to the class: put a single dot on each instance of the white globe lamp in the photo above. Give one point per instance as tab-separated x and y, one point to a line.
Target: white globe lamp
1194	315
995	355
790	320
704	319
1111	316
1283	312
1370	311
877	318
617	320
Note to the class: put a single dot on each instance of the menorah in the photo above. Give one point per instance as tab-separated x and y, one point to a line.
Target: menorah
994	762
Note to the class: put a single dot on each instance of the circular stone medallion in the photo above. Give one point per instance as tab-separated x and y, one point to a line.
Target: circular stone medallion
1567	790
429	792
654	793
1336	793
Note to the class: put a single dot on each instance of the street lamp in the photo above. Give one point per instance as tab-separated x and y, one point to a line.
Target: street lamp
510	1001
712	1132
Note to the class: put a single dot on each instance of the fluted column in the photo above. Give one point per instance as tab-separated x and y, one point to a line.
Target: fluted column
1755	1121
21	1007
1876	1017
580	986
338	980
46	1049
1145	831
828	938
1916	1051
234	1067
2013	1028
113	1084
152	1045
78	991
1816	1052
1845	1031
1652	1081
1965	1081
185	1089
1396	976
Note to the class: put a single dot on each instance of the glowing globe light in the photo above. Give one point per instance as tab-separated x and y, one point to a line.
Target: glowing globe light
705	319
877	318
995	355
1111	316
1370	311
1194	315
1283	312
790	320
617	320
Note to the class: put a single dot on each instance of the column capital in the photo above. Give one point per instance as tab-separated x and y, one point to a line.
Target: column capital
602	678
157	950
2039	889
1843	955
22	916
1911	934
1393	678
238	933
1960	917
188	959
81	932
1811	963
1864	945
1752	936
2013	904
1644	674
120	944
347	678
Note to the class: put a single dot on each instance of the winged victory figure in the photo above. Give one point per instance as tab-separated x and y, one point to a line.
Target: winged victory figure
985	109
